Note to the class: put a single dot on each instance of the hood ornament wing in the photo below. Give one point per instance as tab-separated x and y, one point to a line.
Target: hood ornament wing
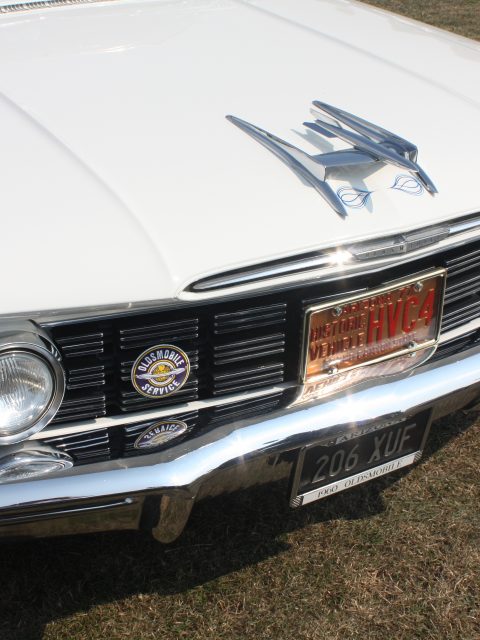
370	144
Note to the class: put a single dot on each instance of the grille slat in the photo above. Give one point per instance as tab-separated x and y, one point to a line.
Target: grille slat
82	407
245	409
463	289
461	314
249	319
92	376
164	332
261	344
89	446
455	346
462	296
81	345
248	378
248	349
461	262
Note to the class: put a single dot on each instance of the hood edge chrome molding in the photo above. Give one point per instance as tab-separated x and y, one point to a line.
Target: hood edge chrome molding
270	274
43	4
314	265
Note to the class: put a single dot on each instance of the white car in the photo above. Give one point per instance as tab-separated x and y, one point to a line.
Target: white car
240	243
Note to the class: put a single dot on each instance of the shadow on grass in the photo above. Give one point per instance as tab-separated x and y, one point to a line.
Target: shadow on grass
41	581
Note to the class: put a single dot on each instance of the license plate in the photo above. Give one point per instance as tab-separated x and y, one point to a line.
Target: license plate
325	469
374	326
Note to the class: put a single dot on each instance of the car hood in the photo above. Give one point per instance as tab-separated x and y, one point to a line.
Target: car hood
122	180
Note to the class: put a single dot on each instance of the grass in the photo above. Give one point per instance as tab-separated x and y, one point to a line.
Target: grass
397	558
459	16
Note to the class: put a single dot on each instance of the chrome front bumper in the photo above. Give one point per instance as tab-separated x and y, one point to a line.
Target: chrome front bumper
156	492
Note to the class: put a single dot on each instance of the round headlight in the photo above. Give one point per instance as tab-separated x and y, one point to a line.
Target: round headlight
27	388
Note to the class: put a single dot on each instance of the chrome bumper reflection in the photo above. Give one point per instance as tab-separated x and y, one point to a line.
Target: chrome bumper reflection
157	491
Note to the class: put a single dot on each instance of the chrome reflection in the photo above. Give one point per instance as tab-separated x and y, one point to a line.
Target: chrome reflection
32	463
27	337
41	4
370	144
315	391
362	257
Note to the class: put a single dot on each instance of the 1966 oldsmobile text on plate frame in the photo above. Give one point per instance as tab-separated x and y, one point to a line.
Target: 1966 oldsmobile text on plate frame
328	468
399	318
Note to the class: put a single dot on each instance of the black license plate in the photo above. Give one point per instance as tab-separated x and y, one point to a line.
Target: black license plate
352	459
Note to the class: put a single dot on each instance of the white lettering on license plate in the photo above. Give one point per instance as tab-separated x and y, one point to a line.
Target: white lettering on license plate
360	478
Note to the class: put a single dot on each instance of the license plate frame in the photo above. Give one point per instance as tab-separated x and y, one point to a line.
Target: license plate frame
324	339
303	493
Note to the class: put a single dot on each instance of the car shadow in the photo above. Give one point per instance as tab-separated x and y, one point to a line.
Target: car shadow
44	580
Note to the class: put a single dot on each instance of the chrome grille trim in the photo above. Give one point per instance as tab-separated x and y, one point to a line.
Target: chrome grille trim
329	264
82	448
145	416
44	4
453	334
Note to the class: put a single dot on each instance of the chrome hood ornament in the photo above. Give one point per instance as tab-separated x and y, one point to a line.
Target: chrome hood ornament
370	144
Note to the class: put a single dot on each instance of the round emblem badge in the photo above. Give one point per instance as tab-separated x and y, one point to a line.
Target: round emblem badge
160	433
160	371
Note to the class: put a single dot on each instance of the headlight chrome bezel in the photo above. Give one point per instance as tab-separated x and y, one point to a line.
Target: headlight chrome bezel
28	338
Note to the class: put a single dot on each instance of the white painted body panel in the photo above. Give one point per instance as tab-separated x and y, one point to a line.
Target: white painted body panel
121	179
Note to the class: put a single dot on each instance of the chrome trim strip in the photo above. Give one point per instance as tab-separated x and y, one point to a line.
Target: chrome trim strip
43	4
68	511
460	331
340	262
53	317
72	428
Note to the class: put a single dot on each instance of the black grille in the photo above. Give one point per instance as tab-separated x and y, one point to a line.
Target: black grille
89	446
462	298
456	345
244	345
245	409
87	360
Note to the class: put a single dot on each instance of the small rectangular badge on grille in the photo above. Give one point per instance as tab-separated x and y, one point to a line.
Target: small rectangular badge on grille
348	333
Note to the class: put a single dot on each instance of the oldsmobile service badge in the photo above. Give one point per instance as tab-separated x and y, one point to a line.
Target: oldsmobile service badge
160	371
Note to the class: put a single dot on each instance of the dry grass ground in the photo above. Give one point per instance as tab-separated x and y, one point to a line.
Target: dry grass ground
460	16
398	558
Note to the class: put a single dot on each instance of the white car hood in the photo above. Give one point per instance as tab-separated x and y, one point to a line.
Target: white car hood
122	180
